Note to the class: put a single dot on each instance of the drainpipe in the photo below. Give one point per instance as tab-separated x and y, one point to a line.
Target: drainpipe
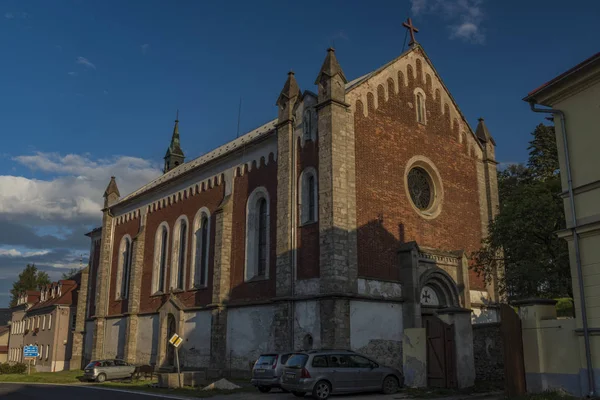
293	220
586	333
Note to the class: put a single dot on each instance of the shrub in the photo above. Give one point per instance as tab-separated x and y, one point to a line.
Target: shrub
565	307
18	368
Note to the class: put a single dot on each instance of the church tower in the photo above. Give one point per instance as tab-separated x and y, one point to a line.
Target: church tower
174	156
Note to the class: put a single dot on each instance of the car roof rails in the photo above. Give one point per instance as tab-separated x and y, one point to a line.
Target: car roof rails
323	350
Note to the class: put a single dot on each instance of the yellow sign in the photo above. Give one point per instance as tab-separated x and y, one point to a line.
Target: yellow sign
174	339
178	342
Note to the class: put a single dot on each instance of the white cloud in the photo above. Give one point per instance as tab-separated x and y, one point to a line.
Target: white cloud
17	253
84	61
14	15
72	73
145	47
9	15
75	192
463	16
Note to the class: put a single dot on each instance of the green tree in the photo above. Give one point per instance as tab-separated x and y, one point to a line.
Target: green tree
522	237
70	273
29	279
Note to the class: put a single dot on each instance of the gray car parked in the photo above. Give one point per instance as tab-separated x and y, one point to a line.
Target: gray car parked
326	372
266	372
102	370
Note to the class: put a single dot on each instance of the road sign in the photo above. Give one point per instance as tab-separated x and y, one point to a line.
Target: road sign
30	352
176	340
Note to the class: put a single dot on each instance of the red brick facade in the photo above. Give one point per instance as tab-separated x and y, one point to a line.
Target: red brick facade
244	185
386	140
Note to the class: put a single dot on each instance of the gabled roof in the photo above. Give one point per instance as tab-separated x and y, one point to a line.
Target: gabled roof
196	163
67	296
560	78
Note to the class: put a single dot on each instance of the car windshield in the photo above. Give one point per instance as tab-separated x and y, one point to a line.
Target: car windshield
267	359
297	361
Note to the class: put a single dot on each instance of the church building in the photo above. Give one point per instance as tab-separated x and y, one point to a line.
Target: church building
345	220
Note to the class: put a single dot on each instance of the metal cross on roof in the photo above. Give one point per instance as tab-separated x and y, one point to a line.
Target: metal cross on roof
408	25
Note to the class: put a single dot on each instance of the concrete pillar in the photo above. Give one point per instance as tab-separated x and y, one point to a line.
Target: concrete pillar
135	285
221	284
79	332
414	357
463	339
408	259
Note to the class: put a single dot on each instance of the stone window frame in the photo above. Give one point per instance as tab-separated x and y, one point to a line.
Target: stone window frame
159	250
426	164
125	256
178	267
307	124
420	95
197	249
252	233
304	193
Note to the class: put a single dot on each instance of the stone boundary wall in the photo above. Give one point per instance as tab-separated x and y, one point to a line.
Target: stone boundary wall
488	349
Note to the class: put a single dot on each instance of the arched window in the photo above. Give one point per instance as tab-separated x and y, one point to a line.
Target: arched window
123	268
257	235
309	195
420	105
307	125
200	249
160	258
180	233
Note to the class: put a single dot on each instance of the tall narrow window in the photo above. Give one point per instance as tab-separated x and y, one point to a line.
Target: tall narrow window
163	259
262	237
181	264
124	267
200	249
307	125
257	235
308	196
47	351
311	198
49	321
178	259
420	106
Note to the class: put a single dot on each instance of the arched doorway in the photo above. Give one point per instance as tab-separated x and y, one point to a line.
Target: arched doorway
171	327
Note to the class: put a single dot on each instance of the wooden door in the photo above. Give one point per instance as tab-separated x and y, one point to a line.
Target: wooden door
514	365
441	353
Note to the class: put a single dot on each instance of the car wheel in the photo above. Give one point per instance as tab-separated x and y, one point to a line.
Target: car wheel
390	385
264	389
322	390
299	394
101	378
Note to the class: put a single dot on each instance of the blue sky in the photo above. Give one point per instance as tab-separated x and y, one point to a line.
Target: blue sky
90	89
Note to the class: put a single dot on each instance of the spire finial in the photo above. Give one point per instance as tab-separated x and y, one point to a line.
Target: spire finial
408	25
177	116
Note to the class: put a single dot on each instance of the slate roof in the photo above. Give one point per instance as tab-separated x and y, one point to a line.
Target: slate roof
68	294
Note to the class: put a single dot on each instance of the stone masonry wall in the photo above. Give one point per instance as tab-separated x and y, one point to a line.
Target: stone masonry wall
489	352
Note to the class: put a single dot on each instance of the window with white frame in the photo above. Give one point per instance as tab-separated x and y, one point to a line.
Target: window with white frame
160	258
124	267
49	321
44	322
309	196
37	322
200	247
420	105
180	234
257	235
47	351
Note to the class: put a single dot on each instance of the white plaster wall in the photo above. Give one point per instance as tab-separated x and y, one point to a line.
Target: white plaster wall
376	331
147	340
307	322
88	340
379	288
114	342
250	332
484	315
195	350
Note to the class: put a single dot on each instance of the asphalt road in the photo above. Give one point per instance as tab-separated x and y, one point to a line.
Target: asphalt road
24	391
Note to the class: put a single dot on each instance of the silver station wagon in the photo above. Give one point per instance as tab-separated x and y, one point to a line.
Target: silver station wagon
326	372
267	370
102	370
